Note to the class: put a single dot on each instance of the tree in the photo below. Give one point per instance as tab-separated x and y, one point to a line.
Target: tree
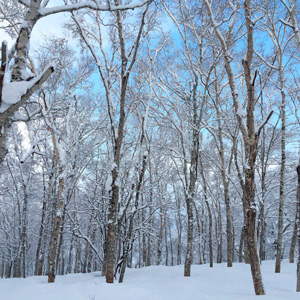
26	83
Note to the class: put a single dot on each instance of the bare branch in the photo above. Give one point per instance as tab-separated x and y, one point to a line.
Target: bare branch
264	123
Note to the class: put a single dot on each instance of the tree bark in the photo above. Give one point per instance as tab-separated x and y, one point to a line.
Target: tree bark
293	243
56	230
190	237
298	223
282	168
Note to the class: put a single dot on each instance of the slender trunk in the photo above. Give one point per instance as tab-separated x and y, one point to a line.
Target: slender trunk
225	184
160	236
56	230
228	227
251	144
128	245
144	246
150	214
171	245
298	223
140	248
241	245
69	266
24	233
110	249
166	240
190	237
209	213
38	257
199	234
262	234
233	242
211	258
219	235
179	228
78	258
148	263
254	260
282	172
60	243
293	243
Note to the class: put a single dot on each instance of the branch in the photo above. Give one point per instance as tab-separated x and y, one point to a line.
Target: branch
36	84
287	23
137	40
264	123
24	2
84	237
266	62
92	5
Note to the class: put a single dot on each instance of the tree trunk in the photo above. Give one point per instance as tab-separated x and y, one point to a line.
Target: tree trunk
24	233
293	243
282	170
128	245
199	234
160	237
211	258
298	223
209	213
60	243
225	184
69	266
190	237
179	227
241	245
219	234
262	251
56	230
38	261
166	240
254	260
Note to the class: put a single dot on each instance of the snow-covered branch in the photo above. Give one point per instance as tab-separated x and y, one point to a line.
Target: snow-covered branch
92	5
15	94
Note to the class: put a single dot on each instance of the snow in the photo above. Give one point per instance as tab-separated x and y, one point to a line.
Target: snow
62	154
108	183
240	110
88	4
159	283
13	91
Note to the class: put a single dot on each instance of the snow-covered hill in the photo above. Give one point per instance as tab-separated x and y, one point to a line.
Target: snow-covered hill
159	283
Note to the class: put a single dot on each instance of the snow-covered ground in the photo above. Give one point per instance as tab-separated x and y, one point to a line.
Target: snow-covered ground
159	283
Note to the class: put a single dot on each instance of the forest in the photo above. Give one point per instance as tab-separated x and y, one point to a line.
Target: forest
160	132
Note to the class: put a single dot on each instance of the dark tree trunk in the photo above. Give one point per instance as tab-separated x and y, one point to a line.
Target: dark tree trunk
298	222
293	243
190	237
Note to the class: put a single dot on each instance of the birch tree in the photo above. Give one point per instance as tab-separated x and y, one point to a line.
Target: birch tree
23	79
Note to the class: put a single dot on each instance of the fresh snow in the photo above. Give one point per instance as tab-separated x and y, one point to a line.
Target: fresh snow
13	91
159	283
108	183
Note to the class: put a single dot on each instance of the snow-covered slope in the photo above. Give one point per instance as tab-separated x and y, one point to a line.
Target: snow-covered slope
159	283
